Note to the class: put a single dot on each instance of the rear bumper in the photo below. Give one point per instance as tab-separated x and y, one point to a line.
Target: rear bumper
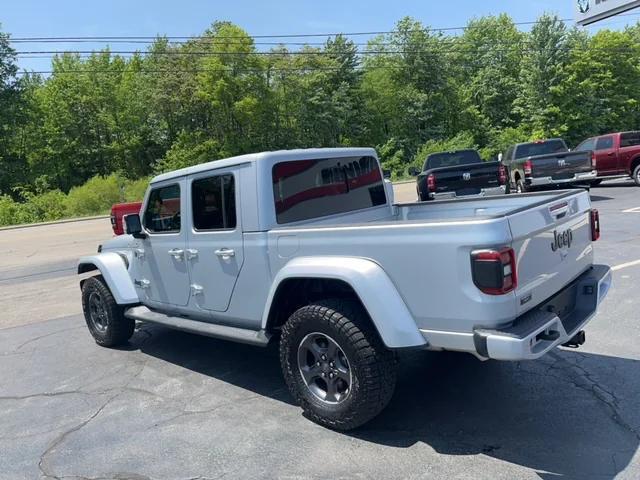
551	324
485	192
577	178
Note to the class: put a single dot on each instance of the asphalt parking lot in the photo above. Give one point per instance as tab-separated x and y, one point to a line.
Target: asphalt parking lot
177	406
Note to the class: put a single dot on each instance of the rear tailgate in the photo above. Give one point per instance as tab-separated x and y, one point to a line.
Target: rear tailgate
553	246
561	166
467	179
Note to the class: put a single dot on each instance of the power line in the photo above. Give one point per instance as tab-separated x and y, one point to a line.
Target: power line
218	37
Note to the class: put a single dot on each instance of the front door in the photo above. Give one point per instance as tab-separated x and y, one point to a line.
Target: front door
215	244
162	275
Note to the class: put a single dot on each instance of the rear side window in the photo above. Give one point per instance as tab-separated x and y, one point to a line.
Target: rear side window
630	139
162	214
304	189
604	143
540	148
589	144
214	203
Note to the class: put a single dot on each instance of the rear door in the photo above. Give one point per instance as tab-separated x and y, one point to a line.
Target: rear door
163	277
215	244
606	155
629	148
552	241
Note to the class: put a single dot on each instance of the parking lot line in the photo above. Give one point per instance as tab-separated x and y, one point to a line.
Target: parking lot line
632	210
625	265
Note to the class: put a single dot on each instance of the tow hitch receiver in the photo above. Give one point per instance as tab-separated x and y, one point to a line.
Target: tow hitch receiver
577	340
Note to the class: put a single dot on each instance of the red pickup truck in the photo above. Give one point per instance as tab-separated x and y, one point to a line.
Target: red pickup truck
119	211
617	155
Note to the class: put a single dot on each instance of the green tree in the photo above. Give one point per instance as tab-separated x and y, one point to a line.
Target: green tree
544	63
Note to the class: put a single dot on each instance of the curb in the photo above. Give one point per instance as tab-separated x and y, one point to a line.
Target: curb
55	222
404	182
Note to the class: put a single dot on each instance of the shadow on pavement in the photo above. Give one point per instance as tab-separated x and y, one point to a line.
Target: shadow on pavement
549	415
599	198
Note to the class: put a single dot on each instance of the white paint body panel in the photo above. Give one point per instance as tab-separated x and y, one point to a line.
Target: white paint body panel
409	264
376	291
115	273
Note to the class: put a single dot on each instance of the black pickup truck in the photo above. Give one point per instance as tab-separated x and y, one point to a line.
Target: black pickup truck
461	173
548	164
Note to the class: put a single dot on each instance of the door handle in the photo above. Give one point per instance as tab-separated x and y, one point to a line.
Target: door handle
191	253
225	252
176	253
610	154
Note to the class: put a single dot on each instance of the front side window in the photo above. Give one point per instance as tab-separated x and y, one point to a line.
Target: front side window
214	203
304	189
604	143
162	214
589	144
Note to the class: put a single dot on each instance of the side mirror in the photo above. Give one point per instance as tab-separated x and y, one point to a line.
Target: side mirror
386	173
133	226
413	171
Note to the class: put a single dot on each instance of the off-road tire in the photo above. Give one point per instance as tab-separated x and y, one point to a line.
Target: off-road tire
521	187
117	328
636	175
372	365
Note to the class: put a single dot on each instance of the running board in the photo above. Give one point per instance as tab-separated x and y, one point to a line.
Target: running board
252	337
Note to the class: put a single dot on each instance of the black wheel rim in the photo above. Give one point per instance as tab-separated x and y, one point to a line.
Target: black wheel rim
98	312
324	368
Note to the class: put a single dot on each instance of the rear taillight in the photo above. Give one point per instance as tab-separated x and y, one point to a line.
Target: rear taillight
593	160
431	182
528	167
502	175
595	225
494	271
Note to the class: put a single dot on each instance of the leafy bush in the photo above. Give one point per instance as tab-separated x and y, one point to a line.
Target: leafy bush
96	196
8	210
134	190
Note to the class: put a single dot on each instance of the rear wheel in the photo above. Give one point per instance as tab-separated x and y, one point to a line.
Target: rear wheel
636	175
335	364
105	318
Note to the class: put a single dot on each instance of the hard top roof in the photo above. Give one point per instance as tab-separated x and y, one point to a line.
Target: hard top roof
275	156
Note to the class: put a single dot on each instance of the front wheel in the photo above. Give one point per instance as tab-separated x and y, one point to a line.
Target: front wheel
105	318
335	364
521	187
636	175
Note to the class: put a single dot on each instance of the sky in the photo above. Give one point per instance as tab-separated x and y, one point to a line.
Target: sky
73	18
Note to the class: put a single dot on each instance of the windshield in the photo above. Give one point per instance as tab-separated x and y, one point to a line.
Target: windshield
451	159
540	148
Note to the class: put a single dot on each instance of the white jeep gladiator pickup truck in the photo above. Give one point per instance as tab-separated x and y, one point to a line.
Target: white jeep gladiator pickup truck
305	247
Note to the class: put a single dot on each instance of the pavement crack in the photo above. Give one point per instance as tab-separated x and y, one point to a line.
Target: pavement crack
600	393
45	394
42	463
35	339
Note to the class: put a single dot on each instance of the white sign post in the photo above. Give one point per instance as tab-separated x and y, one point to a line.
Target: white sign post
591	11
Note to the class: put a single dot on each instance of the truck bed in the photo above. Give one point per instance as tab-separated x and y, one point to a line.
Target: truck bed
439	237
